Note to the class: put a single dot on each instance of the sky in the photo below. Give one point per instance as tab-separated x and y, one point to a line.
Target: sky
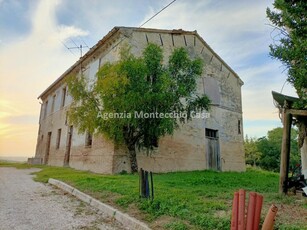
34	33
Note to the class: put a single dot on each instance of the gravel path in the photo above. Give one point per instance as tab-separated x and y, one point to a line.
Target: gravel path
29	205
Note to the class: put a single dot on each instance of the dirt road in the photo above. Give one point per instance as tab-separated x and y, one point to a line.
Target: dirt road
26	204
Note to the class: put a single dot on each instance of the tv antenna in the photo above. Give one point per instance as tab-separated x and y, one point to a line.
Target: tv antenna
79	47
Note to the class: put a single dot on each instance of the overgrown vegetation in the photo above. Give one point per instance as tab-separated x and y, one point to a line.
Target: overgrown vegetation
185	200
290	47
264	152
290	43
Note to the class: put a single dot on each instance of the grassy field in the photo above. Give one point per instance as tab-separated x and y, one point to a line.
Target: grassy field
184	200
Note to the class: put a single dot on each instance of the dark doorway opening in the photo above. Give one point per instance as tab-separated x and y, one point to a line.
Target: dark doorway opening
48	148
68	146
213	149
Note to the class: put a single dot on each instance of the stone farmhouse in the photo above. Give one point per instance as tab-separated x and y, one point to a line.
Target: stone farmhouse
203	143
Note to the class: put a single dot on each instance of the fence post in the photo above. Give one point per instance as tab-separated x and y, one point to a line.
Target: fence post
146	184
152	186
146	188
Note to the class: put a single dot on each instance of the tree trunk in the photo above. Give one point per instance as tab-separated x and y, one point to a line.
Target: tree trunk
303	145
132	157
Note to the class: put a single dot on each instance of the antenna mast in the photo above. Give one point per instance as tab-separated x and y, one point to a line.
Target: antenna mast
80	47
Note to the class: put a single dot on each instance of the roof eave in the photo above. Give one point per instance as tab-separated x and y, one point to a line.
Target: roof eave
281	98
115	30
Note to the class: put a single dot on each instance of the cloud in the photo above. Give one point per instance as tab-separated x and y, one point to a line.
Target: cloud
259	128
23	119
34	57
238	32
28	66
259	81
20	141
100	17
232	28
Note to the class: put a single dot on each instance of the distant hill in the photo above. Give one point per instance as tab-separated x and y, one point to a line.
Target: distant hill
14	159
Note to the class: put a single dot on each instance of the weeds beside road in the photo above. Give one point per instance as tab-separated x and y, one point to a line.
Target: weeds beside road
184	200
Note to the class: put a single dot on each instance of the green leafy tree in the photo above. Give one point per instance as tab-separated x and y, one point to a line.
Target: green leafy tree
290	47
270	148
252	154
135	85
270	155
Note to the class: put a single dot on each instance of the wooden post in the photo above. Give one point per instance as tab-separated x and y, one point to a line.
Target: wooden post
140	182
146	184
285	151
152	186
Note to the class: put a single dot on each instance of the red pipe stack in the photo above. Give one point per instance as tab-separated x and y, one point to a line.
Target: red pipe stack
238	221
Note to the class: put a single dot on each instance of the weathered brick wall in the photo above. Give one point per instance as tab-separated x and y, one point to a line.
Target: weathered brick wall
186	149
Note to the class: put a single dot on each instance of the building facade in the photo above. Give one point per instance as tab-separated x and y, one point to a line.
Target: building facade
214	143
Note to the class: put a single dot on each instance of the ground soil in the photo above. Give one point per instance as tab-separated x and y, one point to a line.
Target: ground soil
26	204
